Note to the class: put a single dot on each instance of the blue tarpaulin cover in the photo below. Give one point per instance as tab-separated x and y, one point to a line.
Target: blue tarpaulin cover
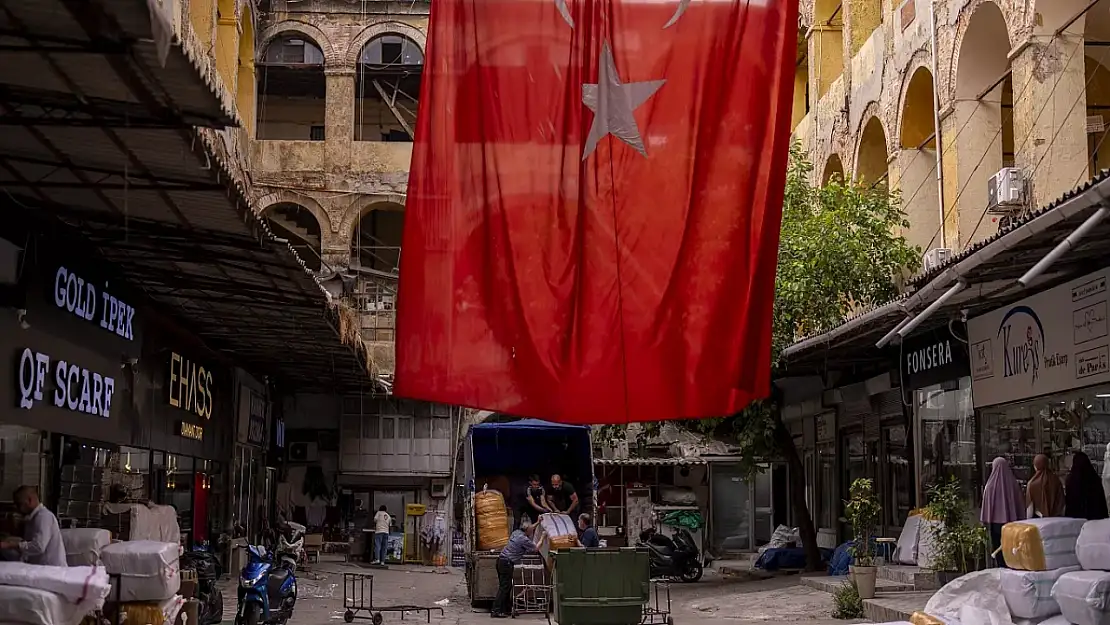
527	446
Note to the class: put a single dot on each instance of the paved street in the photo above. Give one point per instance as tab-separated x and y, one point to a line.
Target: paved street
713	600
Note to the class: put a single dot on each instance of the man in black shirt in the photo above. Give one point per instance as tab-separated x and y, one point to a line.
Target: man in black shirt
562	499
535	501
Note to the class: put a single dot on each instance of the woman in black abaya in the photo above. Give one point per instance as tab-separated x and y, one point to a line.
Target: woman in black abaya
1084	497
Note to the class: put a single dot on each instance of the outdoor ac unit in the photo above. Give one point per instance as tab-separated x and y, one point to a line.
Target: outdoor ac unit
935	258
303	452
1006	191
439	488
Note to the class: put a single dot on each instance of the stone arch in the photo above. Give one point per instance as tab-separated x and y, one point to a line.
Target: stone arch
383	28
375	243
301	228
916	121
834	168
916	158
285	196
317	36
356	210
872	153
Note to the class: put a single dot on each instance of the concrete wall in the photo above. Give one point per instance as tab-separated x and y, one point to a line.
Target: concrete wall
1035	120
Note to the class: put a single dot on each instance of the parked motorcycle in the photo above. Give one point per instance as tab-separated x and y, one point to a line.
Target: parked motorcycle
211	598
268	582
676	558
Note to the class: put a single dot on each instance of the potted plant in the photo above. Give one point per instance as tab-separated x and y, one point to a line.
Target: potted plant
862	510
959	545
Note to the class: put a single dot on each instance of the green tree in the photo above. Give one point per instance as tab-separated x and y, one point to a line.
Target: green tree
841	249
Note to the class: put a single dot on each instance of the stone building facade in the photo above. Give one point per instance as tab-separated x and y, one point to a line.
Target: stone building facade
1013	83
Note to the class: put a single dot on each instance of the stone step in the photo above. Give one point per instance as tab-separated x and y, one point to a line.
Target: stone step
895	607
917	577
832	583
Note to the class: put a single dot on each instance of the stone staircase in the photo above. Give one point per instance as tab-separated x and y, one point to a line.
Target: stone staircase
899	591
283	220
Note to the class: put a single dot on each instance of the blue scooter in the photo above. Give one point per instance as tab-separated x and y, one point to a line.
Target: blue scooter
268	589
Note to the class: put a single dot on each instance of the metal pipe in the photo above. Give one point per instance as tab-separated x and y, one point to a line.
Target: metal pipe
890	335
936	122
932	308
1063	247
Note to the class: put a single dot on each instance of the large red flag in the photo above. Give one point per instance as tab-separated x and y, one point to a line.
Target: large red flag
593	211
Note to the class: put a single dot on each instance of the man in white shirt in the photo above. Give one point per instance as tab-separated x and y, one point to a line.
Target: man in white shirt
42	536
381	535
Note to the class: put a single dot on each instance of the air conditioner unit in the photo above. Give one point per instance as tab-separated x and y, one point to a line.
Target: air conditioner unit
1006	191
303	452
935	258
439	488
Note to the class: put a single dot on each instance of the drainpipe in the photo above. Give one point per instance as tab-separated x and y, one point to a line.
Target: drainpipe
936	121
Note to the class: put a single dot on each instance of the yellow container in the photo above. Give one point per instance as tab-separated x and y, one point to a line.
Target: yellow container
1022	547
920	618
142	614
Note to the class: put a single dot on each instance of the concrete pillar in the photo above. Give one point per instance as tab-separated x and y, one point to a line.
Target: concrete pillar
227	49
978	157
950	166
246	96
913	173
339	117
1050	117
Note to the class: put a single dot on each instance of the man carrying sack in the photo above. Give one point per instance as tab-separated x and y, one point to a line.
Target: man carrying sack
520	544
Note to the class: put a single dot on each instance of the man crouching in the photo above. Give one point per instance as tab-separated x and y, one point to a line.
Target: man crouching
520	544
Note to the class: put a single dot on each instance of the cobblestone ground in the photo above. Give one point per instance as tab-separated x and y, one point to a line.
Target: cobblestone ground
712	601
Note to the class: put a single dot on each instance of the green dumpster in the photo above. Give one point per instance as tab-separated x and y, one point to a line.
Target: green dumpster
601	586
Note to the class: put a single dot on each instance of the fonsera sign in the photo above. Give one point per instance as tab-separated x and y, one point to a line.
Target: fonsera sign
75	387
933	357
75	295
1054	341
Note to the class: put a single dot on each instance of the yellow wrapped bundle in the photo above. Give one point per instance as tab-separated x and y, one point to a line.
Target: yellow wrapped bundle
142	614
1044	544
558	530
920	618
493	522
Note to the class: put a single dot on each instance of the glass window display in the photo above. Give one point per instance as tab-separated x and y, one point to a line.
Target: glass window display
946	437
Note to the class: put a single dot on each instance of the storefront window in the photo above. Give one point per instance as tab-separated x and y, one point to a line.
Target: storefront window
131	475
21	453
1057	425
85	477
208	502
946	436
898	501
826	484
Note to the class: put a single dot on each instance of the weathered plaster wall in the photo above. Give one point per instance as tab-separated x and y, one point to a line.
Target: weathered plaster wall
1050	86
339	177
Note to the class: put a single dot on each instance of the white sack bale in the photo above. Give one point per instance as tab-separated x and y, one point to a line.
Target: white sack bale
148	570
1044	544
84	544
1028	594
1093	546
1084	597
905	551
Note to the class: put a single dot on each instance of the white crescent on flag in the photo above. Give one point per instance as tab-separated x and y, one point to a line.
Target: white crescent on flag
682	5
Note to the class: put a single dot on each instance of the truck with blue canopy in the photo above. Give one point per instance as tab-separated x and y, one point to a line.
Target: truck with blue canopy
502	455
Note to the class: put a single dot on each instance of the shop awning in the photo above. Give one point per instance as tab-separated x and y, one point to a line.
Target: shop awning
174	217
649	462
990	270
125	63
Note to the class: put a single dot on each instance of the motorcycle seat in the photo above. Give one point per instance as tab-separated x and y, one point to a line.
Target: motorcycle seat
278	575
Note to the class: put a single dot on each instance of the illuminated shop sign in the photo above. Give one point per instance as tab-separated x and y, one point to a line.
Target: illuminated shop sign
190	430
74	387
190	386
79	297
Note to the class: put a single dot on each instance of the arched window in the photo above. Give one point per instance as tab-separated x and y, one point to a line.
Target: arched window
292	90
387	88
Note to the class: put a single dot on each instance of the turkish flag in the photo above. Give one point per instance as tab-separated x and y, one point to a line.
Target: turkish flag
594	203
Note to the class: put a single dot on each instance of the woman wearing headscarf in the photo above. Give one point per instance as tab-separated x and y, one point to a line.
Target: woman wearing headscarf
1045	492
1083	494
1002	503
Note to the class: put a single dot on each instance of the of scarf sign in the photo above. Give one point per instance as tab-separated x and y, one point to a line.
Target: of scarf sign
593	212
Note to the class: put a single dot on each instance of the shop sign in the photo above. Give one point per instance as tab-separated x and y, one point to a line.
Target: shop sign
190	430
75	388
1054	341
933	358
256	424
190	386
79	297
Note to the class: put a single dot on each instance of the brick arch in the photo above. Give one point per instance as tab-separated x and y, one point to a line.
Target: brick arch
284	196
870	117
950	69
383	28
357	209
919	60
331	57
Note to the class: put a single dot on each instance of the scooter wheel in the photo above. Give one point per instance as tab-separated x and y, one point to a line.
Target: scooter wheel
348	617
377	619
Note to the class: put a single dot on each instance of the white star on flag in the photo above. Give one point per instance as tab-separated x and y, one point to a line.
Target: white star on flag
613	104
